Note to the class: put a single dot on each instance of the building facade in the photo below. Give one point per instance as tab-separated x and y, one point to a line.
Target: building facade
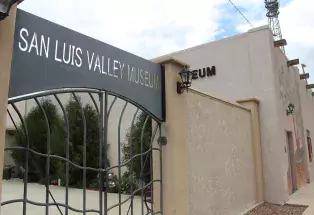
248	65
232	69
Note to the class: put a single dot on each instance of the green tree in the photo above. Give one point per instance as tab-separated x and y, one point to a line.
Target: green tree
37	133
136	148
76	127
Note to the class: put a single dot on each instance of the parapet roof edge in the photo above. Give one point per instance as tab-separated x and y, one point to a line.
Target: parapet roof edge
264	27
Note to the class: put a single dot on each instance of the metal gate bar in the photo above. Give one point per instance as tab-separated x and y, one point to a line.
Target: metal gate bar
67	167
84	152
8	148
48	153
119	150
141	175
101	140
103	111
131	155
27	157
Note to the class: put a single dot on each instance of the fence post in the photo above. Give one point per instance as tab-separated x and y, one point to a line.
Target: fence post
174	160
253	105
7	28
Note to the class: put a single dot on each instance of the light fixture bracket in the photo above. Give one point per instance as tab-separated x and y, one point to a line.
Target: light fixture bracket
180	88
9	4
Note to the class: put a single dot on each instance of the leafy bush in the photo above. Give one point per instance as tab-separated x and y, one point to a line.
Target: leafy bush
125	183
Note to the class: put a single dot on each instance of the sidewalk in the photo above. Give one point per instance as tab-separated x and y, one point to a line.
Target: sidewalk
304	196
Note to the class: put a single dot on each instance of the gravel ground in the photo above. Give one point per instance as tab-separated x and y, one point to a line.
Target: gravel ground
270	209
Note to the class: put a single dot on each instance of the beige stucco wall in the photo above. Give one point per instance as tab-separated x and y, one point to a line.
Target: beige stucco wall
6	46
288	90
221	166
244	69
174	155
308	117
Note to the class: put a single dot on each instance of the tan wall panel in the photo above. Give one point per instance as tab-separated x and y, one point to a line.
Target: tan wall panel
6	46
221	169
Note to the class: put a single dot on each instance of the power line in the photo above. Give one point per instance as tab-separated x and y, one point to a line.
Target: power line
241	13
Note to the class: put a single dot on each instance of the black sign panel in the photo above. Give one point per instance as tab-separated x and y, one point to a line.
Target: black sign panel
48	56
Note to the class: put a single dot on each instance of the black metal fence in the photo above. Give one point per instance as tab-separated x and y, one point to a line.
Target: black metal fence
141	193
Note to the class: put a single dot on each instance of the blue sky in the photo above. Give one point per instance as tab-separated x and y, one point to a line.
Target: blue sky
227	22
232	18
150	28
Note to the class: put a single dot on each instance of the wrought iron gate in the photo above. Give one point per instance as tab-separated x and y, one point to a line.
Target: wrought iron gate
138	200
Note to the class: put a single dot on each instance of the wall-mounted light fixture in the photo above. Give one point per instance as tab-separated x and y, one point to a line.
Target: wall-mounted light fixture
186	80
290	109
5	7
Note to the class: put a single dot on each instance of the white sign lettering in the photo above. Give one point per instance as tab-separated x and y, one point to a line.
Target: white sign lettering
69	54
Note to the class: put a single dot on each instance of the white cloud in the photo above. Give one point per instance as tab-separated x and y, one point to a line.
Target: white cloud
297	21
148	28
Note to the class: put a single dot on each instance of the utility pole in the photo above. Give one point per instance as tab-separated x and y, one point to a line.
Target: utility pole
272	7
